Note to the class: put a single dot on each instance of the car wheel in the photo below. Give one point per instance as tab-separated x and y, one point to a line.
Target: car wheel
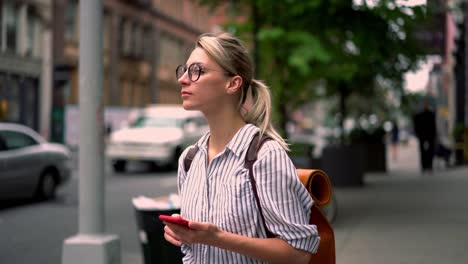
119	165
47	185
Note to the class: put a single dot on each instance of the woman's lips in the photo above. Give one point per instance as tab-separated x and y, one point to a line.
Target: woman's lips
185	93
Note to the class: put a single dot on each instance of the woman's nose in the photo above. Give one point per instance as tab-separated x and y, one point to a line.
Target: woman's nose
184	79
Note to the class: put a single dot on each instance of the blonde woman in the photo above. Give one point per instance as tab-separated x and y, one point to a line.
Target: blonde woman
216	196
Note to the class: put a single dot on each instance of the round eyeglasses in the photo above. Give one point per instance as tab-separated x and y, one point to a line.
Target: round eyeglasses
194	71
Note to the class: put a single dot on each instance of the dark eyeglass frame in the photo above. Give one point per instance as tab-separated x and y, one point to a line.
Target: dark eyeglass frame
195	70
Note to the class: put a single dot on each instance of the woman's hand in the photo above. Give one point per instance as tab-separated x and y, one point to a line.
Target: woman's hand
272	250
196	233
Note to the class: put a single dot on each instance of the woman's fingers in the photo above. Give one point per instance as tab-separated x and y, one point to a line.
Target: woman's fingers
168	230
172	240
198	232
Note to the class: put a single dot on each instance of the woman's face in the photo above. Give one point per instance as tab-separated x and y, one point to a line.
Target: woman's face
207	93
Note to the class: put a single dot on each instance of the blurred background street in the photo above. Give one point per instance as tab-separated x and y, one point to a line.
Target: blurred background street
372	92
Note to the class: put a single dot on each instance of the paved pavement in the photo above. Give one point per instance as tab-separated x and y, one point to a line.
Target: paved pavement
403	216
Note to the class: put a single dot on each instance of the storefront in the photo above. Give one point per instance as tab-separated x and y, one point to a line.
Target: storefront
19	101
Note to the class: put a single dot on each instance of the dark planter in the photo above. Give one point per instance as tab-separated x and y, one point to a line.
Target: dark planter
375	157
459	157
344	164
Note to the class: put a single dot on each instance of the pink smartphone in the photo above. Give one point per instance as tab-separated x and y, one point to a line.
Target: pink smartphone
174	219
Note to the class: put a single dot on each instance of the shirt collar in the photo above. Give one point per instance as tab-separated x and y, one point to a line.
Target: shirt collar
242	139
238	143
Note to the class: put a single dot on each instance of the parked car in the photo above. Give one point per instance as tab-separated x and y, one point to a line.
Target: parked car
157	135
29	165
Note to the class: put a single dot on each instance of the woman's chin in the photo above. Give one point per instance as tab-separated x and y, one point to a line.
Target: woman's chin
188	106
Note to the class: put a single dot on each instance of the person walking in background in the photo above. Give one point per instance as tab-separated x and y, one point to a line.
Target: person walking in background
395	139
216	195
425	129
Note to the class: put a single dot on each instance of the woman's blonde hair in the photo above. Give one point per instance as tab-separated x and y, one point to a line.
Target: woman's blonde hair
229	52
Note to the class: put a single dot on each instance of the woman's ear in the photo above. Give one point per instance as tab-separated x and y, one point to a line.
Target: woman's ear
234	85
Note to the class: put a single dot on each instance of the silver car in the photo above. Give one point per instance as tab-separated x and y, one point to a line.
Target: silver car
29	165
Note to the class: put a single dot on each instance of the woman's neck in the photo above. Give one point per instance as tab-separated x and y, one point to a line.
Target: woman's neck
223	127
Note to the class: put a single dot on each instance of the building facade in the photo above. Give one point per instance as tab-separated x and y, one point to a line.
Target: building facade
23	64
143	41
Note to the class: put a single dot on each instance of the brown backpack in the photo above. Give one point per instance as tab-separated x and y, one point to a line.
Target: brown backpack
317	184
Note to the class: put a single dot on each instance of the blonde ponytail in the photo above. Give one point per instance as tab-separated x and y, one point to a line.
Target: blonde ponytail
259	112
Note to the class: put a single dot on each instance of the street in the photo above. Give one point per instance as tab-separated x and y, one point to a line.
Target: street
397	217
33	232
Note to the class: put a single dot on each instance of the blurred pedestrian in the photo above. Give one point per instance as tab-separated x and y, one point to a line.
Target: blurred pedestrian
216	194
395	139
425	129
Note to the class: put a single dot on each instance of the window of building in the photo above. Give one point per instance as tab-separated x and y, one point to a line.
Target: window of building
148	45
1	23
106	24
125	39
172	51
138	28
11	20
31	18
134	39
70	17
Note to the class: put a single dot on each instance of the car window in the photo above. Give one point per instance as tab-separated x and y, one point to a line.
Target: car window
151	121
16	140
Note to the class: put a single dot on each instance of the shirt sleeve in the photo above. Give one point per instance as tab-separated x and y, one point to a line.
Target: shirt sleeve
285	202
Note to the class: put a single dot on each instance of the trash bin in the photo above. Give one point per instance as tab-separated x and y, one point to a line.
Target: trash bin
156	250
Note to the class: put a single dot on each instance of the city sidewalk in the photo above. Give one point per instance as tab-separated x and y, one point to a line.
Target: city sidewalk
403	216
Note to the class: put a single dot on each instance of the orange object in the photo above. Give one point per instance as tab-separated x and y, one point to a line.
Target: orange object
319	186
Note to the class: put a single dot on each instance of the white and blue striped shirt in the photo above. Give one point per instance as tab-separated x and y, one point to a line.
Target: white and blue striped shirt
221	193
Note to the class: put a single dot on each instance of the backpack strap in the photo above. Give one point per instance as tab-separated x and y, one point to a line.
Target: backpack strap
189	157
250	159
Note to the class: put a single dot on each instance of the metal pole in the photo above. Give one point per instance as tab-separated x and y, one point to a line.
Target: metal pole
46	83
91	162
91	245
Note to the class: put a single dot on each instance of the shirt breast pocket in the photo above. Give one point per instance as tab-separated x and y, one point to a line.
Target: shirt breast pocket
235	204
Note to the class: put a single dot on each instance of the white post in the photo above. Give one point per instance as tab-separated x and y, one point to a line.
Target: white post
91	245
46	83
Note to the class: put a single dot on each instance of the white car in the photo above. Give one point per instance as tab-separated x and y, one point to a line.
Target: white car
157	135
29	165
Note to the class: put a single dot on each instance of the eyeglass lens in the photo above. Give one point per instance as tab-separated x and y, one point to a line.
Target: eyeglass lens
194	71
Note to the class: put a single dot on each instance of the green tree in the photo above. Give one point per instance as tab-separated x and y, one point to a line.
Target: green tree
297	43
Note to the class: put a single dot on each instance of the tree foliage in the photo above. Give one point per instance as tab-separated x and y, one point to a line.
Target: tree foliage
347	45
